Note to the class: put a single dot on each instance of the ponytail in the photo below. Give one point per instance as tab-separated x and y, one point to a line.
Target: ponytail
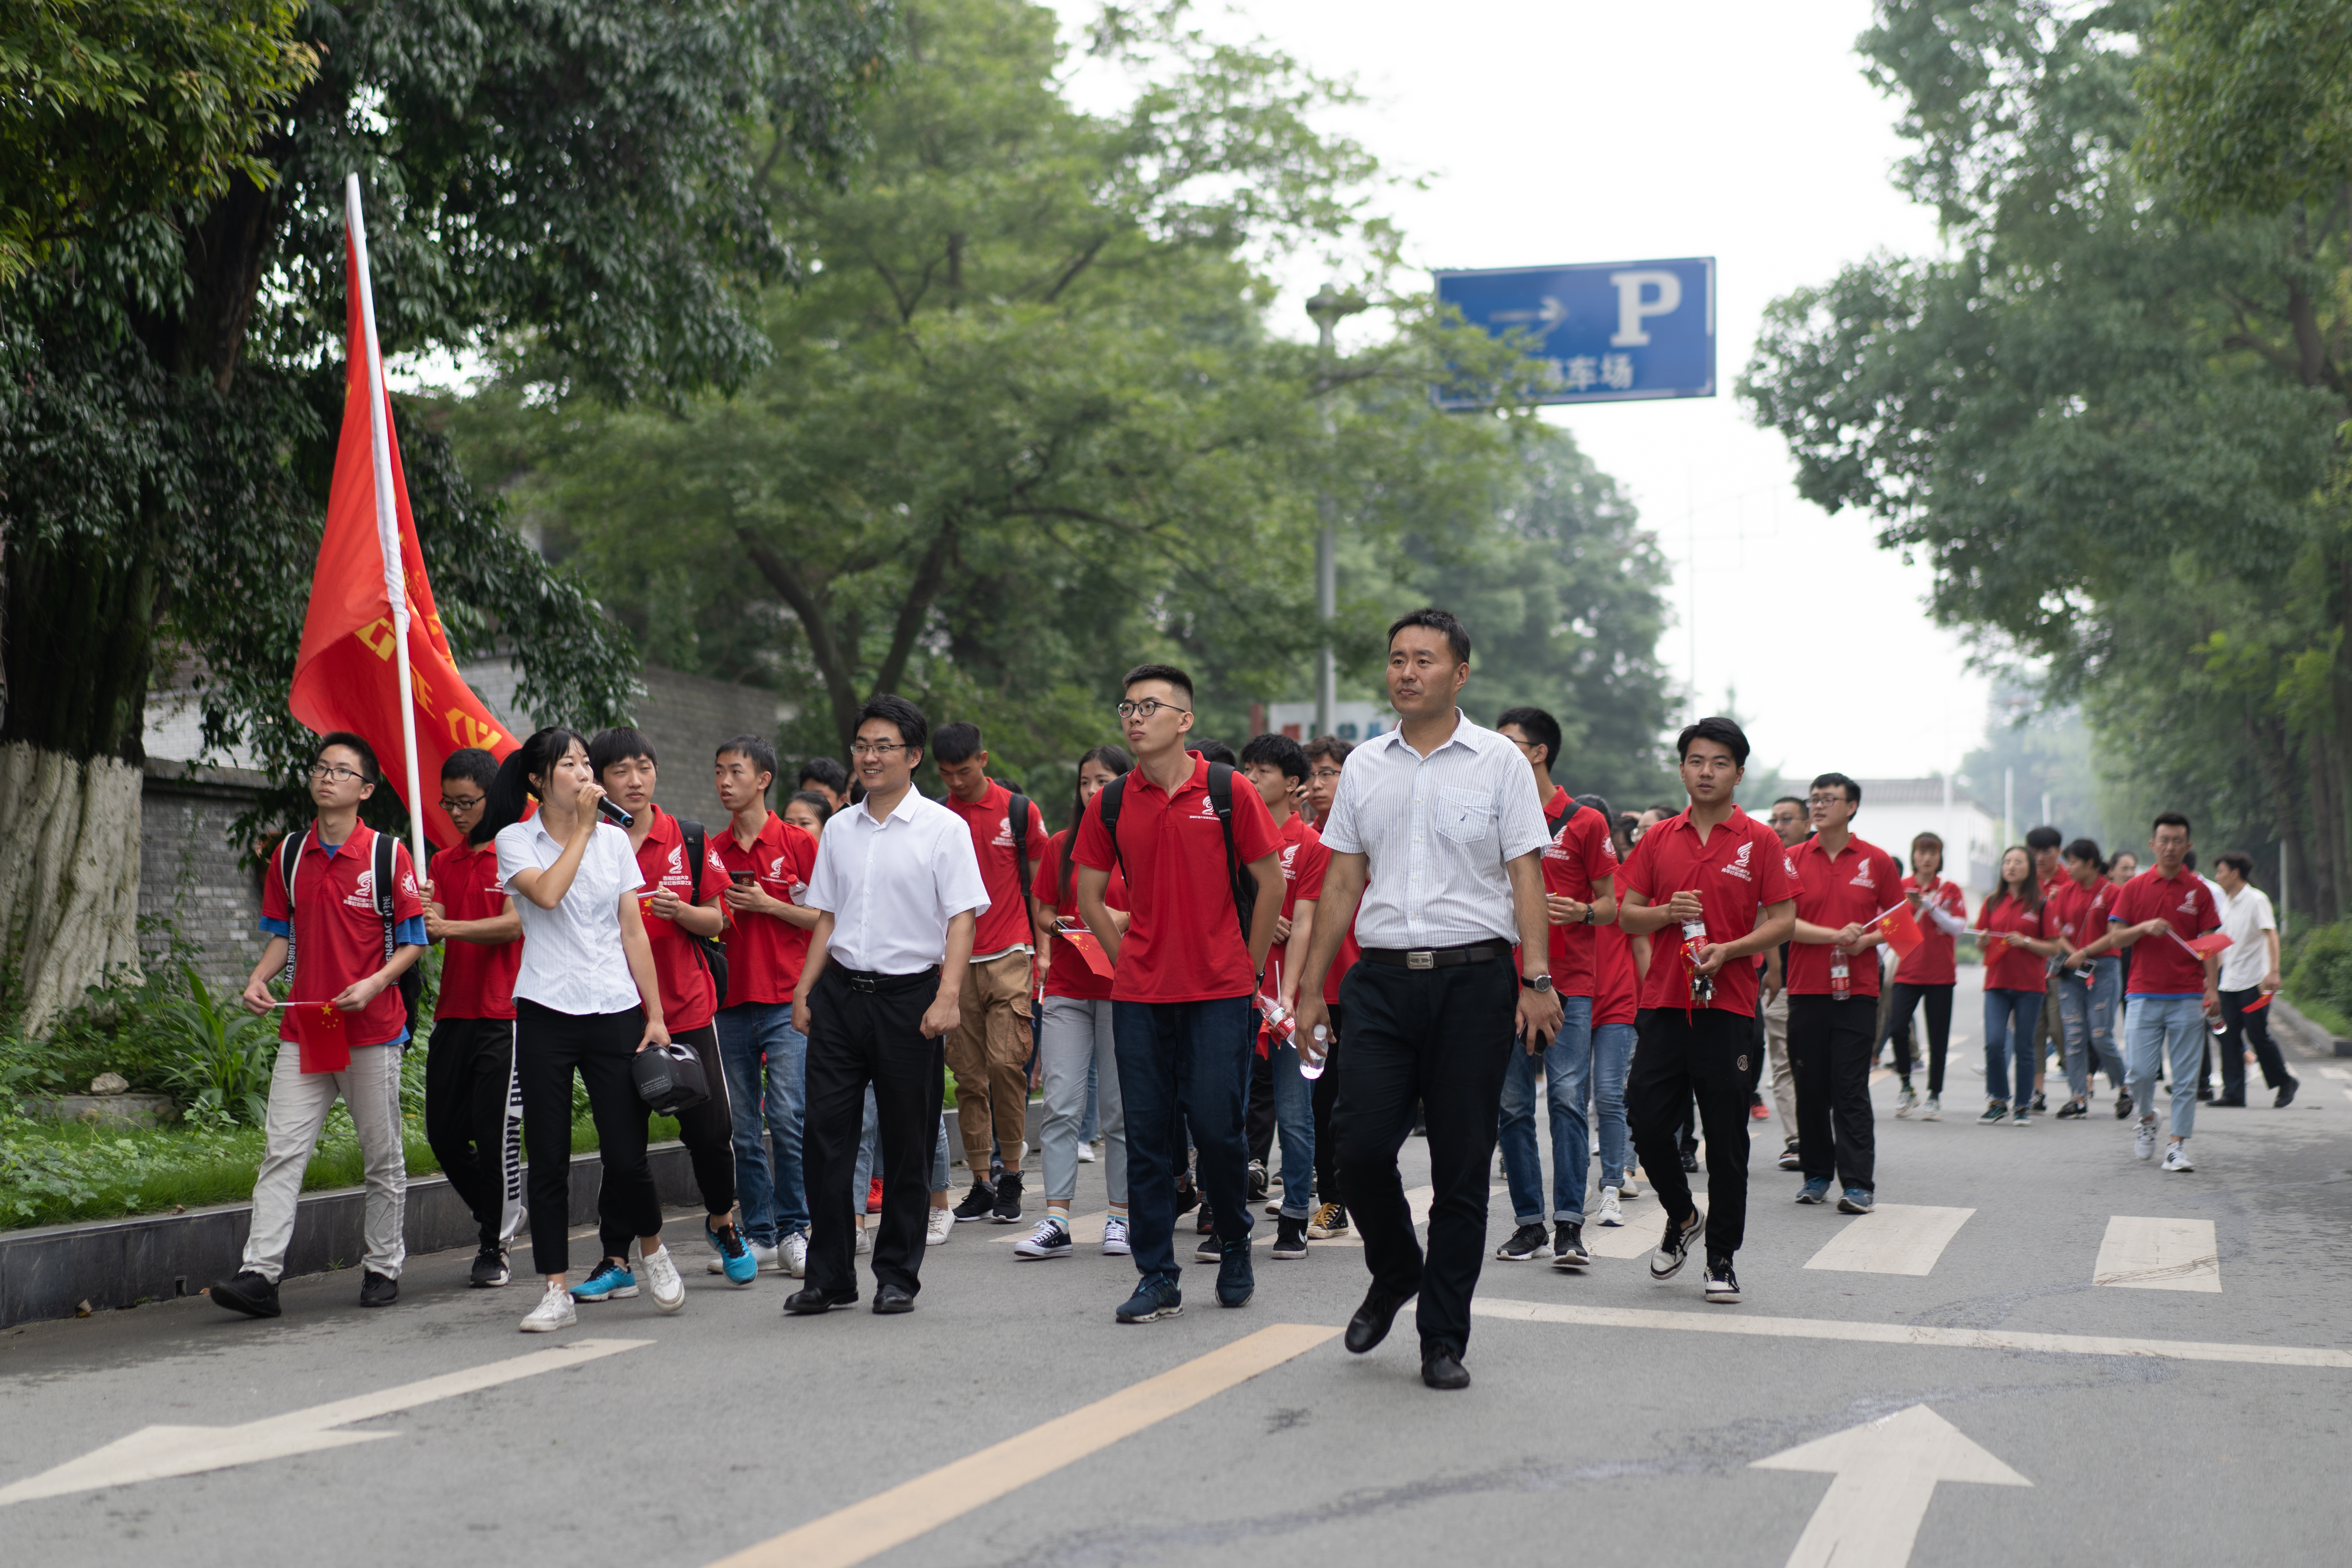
1118	762
510	793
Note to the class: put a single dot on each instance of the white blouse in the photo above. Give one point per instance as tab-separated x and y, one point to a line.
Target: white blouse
572	957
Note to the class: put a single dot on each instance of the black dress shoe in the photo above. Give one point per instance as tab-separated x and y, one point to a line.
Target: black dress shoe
1441	1367
2235	1100
1370	1324
2287	1096
809	1302
892	1299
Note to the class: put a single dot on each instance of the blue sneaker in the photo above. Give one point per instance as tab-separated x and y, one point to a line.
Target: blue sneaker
734	1257
1856	1200
1153	1299
608	1281
1815	1191
1236	1283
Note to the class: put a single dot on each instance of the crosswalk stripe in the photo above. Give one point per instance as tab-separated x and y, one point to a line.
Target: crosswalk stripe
2333	1072
1621	1241
1893	1238
2149	1254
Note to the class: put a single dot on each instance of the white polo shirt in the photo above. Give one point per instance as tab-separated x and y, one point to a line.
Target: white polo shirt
893	886
1437	832
2243	920
572	957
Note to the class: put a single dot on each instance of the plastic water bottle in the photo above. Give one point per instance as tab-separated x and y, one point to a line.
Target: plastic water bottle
1841	976
1312	1071
1702	985
1281	1023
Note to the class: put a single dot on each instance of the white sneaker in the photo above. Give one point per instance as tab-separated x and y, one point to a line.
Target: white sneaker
942	1226
1631	1190
796	1255
1115	1243
661	1273
1086	1154
865	1241
2176	1158
2144	1140
1935	1111
1610	1214
764	1256
554	1311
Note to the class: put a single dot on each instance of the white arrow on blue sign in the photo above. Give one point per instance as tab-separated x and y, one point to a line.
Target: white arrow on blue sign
1605	332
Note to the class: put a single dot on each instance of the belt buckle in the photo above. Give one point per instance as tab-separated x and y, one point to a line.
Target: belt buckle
861	983
1421	959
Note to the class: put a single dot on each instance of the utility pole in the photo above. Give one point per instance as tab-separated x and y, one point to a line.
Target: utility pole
1329	307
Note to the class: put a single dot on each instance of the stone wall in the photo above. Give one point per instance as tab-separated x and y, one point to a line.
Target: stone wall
190	872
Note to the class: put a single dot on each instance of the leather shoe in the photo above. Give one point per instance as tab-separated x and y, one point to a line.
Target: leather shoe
810	1302
1370	1324
1441	1367
892	1299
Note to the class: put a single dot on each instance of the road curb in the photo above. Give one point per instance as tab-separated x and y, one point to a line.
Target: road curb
65	1270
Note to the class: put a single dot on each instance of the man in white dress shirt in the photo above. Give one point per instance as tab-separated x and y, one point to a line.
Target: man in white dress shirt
1436	840
899	890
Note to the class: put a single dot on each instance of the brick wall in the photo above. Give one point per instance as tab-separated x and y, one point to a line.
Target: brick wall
190	872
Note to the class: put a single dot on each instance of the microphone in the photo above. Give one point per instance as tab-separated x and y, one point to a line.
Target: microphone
612	813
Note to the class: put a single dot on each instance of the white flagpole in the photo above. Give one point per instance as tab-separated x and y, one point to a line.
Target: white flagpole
387	520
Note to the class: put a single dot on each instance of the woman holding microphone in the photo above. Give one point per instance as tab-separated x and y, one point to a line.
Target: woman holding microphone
586	999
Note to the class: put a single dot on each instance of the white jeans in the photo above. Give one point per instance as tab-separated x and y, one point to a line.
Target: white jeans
1077	1031
298	1103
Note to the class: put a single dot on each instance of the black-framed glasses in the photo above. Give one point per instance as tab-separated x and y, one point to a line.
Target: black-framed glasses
874	747
454	806
337	771
1145	707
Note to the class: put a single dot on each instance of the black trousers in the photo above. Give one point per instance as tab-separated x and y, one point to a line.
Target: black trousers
1440	1036
473	1117
549	1047
1707	1052
858	1037
707	1131
1906	999
1829	1047
1257	1125
2248	1028
1324	1094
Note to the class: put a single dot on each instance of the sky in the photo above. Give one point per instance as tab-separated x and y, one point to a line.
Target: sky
1572	132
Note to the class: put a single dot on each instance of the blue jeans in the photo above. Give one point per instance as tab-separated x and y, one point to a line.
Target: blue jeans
1180	1063
2175	1028
1612	1053
2003	1009
2088	1013
1568	1076
766	1060
1294	1119
869	1151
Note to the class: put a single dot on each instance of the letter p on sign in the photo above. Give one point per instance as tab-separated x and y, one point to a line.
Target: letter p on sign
1636	304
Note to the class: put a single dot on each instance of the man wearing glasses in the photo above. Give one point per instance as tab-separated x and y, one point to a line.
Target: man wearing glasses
1183	978
473	1110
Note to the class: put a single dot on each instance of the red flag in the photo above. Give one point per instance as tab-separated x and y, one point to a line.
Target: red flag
2205	946
1089	949
1901	931
344	678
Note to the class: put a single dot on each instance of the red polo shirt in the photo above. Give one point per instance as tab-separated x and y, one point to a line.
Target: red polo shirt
1579	855
1740	869
476	982
1185	942
339	939
1616	983
1005	925
1850	888
1304	859
2161	966
765	953
687	997
1069	974
2015	969
1932	961
2080	912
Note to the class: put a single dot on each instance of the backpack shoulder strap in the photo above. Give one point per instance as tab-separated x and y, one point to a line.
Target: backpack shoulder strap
1108	800
290	859
1016	818
697	847
384	905
1221	801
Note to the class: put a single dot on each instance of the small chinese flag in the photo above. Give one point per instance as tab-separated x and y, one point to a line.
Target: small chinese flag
1901	931
1089	949
2205	946
1991	947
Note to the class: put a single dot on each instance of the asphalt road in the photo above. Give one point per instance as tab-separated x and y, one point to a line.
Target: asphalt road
1612	1419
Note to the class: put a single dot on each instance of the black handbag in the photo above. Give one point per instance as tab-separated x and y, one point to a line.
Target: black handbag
670	1079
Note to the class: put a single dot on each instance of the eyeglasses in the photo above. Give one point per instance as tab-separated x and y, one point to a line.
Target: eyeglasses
455	807
874	747
1836	799
1146	707
322	772
1327	772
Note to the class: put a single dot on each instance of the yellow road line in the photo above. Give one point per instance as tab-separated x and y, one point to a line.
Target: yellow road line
864	1529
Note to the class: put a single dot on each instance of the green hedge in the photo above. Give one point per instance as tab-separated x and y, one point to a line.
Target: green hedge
2318	974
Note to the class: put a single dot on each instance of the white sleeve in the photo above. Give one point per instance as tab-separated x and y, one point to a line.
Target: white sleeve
823	892
514	856
1946	921
955	870
615	842
1339	832
1518	813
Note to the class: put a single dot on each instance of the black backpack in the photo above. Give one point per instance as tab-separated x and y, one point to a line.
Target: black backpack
1242	886
1552	825
290	856
713	951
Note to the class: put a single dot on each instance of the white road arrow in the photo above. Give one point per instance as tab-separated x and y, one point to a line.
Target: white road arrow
152	1453
1886	1470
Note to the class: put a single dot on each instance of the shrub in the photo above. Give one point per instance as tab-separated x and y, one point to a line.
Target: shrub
2319	967
220	1057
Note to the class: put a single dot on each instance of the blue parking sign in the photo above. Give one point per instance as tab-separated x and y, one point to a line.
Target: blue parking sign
1604	333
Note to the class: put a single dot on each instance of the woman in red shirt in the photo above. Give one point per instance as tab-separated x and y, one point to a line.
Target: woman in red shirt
2017	942
1928	975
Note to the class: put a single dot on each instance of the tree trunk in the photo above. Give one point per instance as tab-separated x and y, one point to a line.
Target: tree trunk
68	875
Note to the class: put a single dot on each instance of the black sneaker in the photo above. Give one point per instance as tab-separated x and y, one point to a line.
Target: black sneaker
1210	1251
248	1292
1153	1299
1258	1185
2041	1100
2123	1105
1207	1224
1289	1236
1568	1247
1008	1199
490	1269
978	1204
1996	1113
378	1289
1235	1281
1690	1159
1722	1284
1667	1261
1330	1220
1790	1160
2073	1108
1528	1244
2287	1096
1188	1196
2205	1092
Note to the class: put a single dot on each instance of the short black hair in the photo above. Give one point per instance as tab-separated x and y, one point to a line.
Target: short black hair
1167	673
2238	860
1798	801
754	751
956	742
1838	782
1458	636
2085	849
2189	859
826	772
1596	803
1719	729
1279	750
815	802
371	771
2169	819
914	730
1216	752
2044	837
1540	727
1329	746
472	763
618	744
1663	809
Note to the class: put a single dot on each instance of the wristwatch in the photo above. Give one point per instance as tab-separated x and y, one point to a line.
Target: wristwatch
1588	914
1535	982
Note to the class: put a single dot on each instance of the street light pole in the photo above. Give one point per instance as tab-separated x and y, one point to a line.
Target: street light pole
1329	307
